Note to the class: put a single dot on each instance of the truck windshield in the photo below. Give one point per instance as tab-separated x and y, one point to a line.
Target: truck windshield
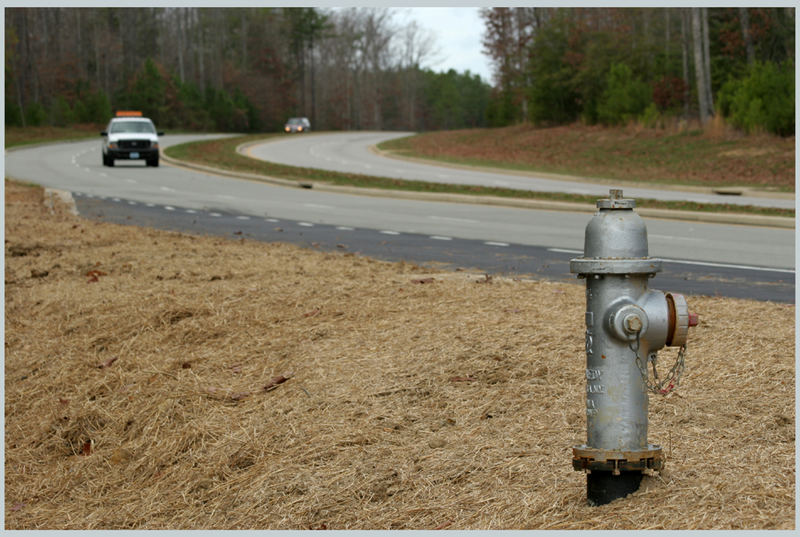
133	126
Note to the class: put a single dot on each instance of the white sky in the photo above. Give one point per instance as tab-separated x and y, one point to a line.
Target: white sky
458	32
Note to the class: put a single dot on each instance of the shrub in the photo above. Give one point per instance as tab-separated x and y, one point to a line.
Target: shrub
35	115
624	98
762	100
13	114
61	114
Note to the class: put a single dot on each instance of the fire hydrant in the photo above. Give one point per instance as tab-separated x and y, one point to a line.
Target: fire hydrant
626	324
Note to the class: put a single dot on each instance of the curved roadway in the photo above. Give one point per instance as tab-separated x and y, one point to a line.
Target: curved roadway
351	152
77	167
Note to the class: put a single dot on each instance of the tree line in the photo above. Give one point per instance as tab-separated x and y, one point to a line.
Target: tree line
612	65
248	69
232	69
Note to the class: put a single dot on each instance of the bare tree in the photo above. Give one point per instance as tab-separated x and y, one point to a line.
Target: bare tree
699	65
744	20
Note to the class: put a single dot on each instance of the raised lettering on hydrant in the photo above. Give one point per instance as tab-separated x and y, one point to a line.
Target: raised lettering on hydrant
626	324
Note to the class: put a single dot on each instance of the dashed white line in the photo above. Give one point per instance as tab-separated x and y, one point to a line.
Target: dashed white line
115	199
451	219
169	207
191	211
243	217
167	189
344	228
564	251
305	224
317	206
495	243
131	203
272	220
389	232
440	238
216	215
150	204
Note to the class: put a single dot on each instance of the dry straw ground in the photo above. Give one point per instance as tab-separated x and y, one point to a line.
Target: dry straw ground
160	380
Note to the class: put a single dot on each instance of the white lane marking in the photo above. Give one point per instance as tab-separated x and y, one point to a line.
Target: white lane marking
89	195
115	199
389	232
305	224
191	211
317	206
150	204
167	189
727	265
688	262
451	219
169	207
131	203
344	228
216	215
243	217
273	220
494	243
672	237
440	238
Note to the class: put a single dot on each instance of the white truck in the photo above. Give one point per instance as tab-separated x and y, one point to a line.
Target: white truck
129	136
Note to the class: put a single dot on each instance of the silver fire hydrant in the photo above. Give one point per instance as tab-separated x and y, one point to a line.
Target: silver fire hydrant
626	324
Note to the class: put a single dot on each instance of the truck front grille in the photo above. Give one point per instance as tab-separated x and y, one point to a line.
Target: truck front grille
134	144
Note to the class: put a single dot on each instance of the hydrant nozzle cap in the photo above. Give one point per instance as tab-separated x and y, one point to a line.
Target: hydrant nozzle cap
615	201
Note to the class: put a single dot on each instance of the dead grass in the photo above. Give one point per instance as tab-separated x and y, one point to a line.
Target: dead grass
713	157
209	383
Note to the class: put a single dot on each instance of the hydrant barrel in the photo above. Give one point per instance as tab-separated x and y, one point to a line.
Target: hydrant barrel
626	324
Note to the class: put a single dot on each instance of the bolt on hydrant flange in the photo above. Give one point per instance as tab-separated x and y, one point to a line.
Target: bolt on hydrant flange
626	324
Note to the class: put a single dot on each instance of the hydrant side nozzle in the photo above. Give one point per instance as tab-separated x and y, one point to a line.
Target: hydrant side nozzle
679	320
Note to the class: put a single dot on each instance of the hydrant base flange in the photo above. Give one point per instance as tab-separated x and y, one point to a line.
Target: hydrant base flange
593	459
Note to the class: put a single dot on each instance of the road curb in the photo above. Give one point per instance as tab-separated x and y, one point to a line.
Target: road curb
717	218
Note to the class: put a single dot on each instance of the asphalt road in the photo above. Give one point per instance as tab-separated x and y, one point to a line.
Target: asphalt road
350	152
743	261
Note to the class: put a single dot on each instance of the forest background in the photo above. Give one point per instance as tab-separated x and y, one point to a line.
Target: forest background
248	69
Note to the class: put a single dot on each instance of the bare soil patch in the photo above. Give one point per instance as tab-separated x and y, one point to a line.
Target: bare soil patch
156	380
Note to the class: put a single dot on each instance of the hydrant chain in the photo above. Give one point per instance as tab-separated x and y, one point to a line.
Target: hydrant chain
673	378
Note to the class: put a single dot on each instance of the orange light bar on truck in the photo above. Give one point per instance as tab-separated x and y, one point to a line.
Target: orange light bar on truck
129	113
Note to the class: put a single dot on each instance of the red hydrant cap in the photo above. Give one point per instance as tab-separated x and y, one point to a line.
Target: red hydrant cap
693	319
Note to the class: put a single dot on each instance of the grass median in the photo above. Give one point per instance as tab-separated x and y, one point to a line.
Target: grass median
221	153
